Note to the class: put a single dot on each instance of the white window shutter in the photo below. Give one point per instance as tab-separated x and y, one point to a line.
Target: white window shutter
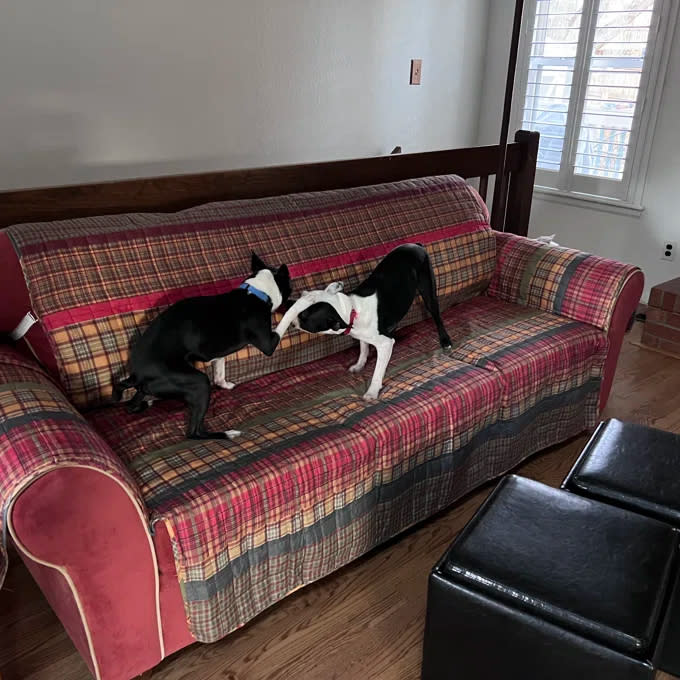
588	70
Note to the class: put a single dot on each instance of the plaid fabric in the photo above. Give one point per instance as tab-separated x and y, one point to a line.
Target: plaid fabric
320	476
536	354
40	431
94	282
567	282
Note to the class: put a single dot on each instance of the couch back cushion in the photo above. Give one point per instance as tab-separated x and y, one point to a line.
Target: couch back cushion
94	282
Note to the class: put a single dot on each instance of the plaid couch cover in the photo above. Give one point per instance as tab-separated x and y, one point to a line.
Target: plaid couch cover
93	283
319	476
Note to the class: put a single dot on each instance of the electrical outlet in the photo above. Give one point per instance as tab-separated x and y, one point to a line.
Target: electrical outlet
416	70
669	250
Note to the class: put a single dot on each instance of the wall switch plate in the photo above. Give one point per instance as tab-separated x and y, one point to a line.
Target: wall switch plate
416	70
668	251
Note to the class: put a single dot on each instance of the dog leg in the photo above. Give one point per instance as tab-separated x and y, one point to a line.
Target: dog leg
182	381
384	347
138	403
427	286
288	318
361	361
122	385
266	341
218	377
198	398
261	336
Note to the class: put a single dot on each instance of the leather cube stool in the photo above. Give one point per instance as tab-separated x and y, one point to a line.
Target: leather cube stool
633	466
543	583
636	467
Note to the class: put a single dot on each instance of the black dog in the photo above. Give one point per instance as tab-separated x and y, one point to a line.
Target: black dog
204	328
373	310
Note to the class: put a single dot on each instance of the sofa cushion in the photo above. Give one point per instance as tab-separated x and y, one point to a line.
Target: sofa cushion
94	282
536	354
319	476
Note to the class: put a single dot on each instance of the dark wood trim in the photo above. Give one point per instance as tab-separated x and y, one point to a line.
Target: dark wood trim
500	195
177	192
521	185
502	188
483	186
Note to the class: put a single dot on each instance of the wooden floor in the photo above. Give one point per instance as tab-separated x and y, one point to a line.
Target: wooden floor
365	621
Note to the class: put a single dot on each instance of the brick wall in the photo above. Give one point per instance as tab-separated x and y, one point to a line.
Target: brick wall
662	327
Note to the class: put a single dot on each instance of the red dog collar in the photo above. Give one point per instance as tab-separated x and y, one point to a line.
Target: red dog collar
352	318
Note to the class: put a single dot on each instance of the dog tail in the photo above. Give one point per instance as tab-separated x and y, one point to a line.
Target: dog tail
427	286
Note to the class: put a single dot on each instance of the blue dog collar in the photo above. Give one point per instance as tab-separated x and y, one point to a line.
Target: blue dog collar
255	291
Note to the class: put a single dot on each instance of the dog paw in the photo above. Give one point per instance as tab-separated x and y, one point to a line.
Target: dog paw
225	384
232	434
356	368
370	396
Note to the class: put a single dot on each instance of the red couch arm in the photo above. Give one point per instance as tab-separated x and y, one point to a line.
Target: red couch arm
79	523
583	287
626	306
567	282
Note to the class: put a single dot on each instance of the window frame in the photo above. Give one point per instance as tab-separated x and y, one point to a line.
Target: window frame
565	185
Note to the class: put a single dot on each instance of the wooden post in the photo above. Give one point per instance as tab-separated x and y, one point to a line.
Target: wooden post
498	210
522	185
483	186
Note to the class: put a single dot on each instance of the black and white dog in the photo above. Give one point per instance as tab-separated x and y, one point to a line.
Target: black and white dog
373	310
204	328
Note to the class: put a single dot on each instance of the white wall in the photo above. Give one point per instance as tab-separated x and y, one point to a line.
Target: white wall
631	239
93	90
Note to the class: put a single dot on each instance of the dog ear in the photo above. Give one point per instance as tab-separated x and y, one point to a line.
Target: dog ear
282	273
256	263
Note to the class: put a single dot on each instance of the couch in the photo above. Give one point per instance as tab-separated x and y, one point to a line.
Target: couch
144	542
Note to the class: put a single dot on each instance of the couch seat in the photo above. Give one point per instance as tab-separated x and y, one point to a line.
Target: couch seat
319	476
302	415
537	355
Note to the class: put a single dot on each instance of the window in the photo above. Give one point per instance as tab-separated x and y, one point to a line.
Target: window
590	82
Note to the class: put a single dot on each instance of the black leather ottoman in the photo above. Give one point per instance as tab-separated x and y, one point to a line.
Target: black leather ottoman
636	467
633	466
547	584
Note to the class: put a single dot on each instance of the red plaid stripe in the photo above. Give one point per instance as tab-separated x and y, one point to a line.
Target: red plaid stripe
39	431
567	282
94	281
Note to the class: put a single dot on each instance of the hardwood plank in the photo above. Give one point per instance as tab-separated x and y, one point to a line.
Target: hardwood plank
364	621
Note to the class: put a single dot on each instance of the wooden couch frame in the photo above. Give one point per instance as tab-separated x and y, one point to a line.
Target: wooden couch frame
177	192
